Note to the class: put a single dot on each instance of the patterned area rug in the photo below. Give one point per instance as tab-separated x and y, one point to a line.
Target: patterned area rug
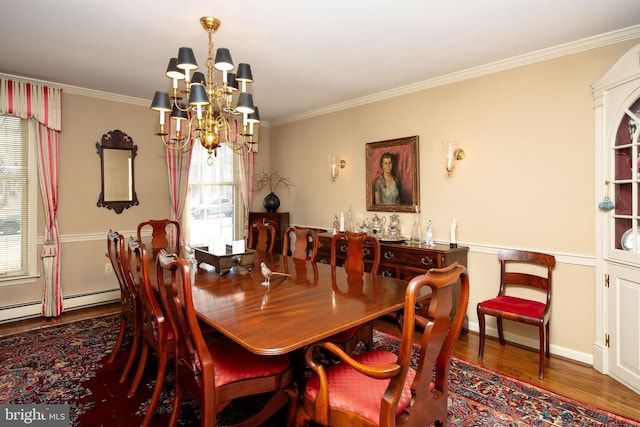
67	364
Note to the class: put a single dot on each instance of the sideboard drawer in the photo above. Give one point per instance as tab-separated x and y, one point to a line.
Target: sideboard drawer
424	259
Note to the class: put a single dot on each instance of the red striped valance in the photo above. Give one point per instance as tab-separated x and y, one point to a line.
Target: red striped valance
27	100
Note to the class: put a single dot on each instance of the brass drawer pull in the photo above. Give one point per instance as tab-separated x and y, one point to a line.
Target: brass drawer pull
387	273
366	251
388	255
343	249
426	260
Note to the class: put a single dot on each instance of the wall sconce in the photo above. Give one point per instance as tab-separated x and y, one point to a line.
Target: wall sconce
452	153
335	165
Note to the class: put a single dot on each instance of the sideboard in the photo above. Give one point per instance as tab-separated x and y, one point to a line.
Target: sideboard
402	260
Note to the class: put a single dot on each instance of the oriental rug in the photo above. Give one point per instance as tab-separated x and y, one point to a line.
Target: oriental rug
67	364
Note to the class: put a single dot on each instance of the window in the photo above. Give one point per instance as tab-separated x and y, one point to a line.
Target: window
17	199
214	206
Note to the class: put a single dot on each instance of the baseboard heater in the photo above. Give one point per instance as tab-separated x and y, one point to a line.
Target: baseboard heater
33	309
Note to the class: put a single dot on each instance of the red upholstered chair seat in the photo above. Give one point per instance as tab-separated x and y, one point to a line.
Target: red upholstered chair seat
233	363
353	392
515	305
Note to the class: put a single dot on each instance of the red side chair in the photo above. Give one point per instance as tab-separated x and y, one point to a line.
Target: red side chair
217	370
381	388
516	272
262	236
305	243
165	234
353	244
130	310
157	332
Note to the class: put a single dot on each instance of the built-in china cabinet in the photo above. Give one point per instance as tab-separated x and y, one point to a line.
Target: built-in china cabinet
617	108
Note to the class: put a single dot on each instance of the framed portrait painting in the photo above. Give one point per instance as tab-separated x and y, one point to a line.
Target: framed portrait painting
393	175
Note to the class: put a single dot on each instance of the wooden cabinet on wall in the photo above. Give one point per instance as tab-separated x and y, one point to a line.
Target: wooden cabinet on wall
280	221
401	260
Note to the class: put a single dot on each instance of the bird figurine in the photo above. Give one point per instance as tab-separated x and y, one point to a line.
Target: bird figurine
267	273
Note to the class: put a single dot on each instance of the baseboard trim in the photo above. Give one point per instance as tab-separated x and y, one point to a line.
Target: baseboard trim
33	309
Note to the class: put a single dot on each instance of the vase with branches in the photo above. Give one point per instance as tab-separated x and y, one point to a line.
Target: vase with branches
271	180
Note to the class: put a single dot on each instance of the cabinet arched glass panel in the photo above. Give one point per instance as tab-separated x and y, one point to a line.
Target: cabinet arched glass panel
626	181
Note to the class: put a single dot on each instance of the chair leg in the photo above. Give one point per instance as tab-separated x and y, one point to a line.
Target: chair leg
368	343
116	348
547	340
132	355
542	351
141	365
155	397
293	395
500	331
481	331
177	401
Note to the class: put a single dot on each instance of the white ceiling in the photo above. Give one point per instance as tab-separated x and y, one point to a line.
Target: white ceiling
305	55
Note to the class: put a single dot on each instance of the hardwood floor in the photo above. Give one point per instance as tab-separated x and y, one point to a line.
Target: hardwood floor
565	377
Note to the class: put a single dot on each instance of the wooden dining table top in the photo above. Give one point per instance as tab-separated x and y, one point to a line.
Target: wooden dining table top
314	302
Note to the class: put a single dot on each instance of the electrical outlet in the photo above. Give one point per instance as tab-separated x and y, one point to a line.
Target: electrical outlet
108	268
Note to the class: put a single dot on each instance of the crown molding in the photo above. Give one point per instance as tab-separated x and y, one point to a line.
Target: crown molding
582	45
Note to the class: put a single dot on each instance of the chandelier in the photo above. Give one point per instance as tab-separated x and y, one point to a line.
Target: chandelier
208	116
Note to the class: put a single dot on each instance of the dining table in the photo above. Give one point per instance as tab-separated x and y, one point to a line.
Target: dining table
304	302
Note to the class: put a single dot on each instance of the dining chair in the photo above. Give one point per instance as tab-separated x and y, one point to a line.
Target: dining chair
520	270
305	243
217	370
262	236
157	332
382	388
130	310
165	234
356	246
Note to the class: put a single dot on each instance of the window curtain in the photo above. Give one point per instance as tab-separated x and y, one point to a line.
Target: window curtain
43	106
178	166
246	162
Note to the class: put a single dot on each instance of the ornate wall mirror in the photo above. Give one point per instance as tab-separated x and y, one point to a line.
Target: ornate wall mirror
117	152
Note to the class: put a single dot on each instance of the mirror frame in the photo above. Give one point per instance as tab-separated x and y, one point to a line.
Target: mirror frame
117	140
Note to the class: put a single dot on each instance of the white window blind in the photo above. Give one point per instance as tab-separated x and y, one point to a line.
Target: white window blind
14	197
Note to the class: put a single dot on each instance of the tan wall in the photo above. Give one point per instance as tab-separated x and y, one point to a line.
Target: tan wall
83	225
527	180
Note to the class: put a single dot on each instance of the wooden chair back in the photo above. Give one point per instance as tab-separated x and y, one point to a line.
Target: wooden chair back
521	269
157	332
165	234
117	255
217	370
356	246
390	384
305	243
262	236
353	245
510	278
130	310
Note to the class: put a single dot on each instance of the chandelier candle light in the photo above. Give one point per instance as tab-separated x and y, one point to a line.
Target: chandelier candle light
207	116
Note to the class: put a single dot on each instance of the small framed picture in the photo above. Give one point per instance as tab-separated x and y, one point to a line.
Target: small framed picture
393	181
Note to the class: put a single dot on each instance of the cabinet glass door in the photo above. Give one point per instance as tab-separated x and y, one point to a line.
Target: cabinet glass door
626	181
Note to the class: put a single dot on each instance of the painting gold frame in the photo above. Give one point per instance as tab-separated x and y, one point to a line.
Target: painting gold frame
400	191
